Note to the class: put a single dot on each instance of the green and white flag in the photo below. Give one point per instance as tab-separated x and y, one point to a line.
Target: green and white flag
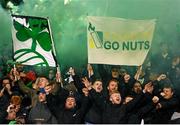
118	41
32	41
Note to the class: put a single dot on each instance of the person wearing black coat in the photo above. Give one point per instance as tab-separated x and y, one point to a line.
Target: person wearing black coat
3	115
40	113
165	108
64	107
94	114
160	110
146	98
113	75
69	113
113	111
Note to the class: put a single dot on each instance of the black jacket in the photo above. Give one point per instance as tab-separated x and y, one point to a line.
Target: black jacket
71	116
94	113
113	113
41	114
163	115
158	116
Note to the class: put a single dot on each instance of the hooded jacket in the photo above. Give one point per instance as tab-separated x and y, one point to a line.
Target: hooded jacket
41	114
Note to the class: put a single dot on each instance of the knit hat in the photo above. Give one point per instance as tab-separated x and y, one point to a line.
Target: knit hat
71	94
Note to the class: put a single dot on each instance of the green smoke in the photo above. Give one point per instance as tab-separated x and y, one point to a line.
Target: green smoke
68	23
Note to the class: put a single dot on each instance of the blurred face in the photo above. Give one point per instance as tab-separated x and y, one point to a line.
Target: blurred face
137	88
126	78
22	74
5	81
42	82
176	61
51	74
89	67
115	98
70	103
19	68
11	115
122	72
115	73
112	86
7	87
42	97
16	102
168	93
17	108
98	86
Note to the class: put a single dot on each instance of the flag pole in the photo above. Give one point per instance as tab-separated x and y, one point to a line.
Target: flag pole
14	65
58	73
53	47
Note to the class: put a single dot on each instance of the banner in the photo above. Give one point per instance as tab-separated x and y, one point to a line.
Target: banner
32	41
118	41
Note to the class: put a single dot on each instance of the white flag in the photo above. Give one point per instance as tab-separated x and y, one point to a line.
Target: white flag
32	41
118	41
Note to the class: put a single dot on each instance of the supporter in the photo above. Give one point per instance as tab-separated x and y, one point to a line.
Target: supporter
67	111
160	110
94	114
165	57
113	110
40	113
116	97
40	82
15	111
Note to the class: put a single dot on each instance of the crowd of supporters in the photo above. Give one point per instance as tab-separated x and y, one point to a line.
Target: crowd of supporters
97	95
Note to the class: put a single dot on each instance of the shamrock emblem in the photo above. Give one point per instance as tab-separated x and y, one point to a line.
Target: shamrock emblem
37	31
